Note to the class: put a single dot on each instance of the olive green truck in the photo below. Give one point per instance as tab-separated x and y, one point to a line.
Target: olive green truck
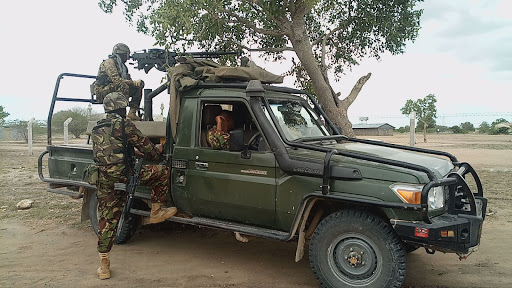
357	206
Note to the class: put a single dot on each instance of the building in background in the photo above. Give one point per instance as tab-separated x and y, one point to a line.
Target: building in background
376	129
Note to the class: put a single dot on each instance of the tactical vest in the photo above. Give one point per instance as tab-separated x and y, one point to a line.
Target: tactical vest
106	149
102	78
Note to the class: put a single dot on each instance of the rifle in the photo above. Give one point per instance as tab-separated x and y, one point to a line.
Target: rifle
162	59
130	187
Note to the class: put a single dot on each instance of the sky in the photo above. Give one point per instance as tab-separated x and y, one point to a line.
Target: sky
462	55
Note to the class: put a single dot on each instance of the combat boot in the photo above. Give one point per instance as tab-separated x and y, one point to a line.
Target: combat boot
104	269
132	114
159	214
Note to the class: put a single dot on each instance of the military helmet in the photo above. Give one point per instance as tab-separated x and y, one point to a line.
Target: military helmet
114	101
121	48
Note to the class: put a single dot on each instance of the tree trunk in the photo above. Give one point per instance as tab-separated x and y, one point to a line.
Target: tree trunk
425	132
335	109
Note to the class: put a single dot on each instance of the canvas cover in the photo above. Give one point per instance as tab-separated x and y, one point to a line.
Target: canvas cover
190	72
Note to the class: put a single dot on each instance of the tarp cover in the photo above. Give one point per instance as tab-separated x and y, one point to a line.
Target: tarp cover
191	72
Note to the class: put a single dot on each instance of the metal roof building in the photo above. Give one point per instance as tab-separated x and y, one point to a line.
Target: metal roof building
375	129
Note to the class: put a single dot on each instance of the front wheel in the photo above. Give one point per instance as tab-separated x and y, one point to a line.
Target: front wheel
126	227
352	248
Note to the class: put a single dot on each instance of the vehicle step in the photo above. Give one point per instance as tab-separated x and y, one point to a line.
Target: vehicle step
224	225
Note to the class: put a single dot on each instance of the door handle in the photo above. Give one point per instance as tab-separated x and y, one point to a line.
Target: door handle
202	165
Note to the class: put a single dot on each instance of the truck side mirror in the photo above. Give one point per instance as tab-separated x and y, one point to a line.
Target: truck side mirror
236	140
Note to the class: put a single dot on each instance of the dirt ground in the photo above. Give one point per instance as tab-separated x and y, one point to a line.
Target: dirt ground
48	246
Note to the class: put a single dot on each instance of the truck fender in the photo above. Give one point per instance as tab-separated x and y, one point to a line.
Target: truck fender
299	253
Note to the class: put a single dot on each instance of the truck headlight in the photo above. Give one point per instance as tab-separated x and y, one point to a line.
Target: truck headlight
436	198
411	194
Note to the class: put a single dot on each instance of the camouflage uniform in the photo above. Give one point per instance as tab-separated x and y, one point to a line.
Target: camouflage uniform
218	139
109	152
109	80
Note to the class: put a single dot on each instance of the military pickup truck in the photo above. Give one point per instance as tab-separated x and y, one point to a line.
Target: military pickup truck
358	206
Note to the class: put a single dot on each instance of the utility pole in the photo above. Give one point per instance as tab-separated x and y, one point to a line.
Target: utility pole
412	126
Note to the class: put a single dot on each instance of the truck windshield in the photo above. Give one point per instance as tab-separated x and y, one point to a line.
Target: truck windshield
297	119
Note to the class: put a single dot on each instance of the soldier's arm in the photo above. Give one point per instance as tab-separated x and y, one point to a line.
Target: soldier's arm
218	139
141	142
109	66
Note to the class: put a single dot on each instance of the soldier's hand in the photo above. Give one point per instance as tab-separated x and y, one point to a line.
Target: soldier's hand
160	148
138	83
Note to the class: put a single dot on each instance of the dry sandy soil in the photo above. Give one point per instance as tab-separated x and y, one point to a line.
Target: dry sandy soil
48	246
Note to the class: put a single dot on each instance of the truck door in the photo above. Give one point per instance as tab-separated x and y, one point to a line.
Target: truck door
221	184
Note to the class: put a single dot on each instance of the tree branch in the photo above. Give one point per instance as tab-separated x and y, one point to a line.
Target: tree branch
272	50
252	25
355	90
327	36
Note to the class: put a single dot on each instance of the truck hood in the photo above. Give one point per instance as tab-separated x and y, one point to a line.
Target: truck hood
440	167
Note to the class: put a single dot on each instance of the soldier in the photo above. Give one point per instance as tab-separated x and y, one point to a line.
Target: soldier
114	139
113	77
218	135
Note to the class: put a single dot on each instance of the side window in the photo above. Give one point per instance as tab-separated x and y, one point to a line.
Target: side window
242	120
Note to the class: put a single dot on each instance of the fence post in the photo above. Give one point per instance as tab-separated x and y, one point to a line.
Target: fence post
412	126
29	127
66	124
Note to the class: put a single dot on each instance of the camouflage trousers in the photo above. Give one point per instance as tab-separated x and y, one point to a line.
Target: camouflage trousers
128	91
111	202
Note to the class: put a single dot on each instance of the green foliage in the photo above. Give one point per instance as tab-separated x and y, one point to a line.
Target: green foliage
499	130
3	114
467	127
426	110
498	121
456	129
348	30
77	126
484	128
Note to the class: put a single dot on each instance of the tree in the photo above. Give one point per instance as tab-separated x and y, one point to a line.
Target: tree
499	129
20	129
3	114
467	127
484	127
426	111
77	126
325	35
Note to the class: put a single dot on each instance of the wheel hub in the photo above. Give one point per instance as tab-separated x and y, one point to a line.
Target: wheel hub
355	258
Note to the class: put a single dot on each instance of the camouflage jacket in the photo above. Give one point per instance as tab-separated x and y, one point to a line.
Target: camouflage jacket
107	141
218	139
109	73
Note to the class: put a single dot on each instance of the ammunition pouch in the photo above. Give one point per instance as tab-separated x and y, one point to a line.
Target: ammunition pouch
91	174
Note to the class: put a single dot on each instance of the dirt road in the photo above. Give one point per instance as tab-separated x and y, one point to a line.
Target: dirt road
48	246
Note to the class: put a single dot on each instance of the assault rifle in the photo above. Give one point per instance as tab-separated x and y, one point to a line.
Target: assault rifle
130	187
162	59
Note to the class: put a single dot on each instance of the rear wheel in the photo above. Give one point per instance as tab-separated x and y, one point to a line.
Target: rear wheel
126	227
353	248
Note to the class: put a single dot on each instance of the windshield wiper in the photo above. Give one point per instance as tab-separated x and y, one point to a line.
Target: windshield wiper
319	138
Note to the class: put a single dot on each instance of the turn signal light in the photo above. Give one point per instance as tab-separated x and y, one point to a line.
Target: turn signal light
447	233
411	197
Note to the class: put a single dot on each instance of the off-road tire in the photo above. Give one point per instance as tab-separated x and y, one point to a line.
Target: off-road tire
126	228
348	233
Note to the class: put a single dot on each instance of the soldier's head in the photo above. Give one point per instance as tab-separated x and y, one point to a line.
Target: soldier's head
228	122
115	102
122	50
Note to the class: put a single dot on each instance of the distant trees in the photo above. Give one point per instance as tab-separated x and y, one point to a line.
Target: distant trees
426	111
484	128
3	114
77	127
20	131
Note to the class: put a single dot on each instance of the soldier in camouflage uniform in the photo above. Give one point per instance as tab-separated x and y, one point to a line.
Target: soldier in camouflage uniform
218	135
113	77
114	138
